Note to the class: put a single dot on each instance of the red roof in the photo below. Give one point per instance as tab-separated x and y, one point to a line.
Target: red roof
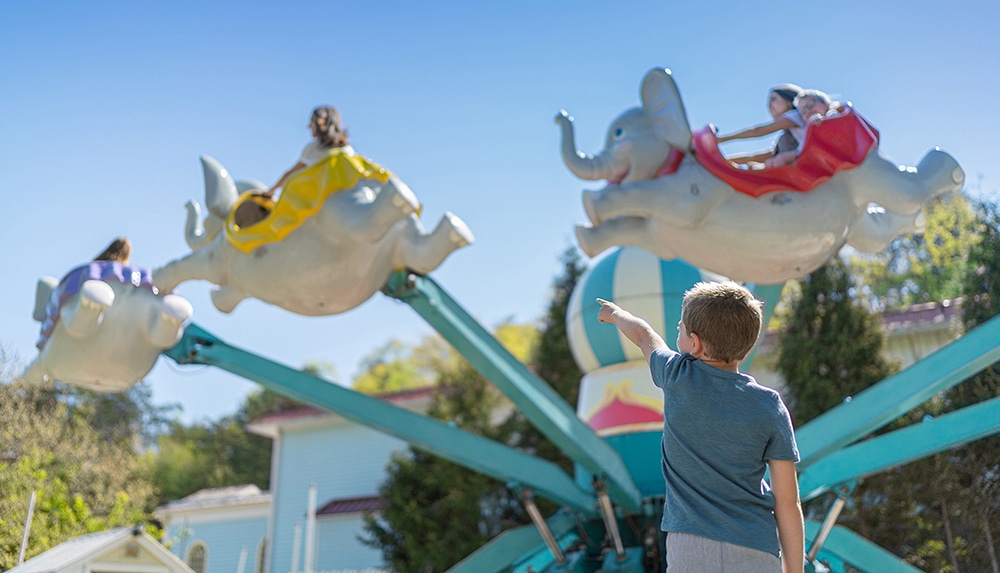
352	505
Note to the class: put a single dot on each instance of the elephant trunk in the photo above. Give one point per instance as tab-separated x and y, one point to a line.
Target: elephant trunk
198	233
583	166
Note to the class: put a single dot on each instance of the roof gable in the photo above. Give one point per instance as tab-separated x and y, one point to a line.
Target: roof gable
114	549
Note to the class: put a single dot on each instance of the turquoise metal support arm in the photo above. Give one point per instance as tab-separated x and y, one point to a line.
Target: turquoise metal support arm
504	550
900	393
532	396
850	547
466	449
901	446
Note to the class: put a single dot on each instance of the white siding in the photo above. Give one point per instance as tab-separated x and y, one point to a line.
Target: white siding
345	461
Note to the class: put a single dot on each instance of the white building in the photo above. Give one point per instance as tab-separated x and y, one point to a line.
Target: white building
346	462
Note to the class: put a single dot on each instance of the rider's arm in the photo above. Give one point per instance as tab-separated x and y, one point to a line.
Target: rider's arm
284	177
758	130
744	158
783	158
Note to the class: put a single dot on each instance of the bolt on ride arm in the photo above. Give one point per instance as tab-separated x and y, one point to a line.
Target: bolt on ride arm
466	449
546	410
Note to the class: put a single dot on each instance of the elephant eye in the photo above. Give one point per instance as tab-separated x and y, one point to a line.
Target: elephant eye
619	132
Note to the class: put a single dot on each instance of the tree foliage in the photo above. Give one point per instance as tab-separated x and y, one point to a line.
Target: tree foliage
831	347
216	453
83	481
438	512
972	471
433	515
394	367
924	267
128	417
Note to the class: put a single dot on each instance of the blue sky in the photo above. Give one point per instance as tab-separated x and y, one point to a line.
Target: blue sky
106	106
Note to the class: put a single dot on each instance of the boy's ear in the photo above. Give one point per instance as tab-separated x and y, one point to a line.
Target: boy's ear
697	346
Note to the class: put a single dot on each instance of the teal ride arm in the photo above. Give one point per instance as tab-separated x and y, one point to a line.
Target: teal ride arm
504	550
849	547
546	410
466	449
901	446
900	393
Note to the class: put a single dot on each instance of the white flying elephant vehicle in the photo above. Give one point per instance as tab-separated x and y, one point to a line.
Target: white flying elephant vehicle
662	197
103	327
340	249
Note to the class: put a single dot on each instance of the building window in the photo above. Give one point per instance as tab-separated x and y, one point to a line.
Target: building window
261	553
198	557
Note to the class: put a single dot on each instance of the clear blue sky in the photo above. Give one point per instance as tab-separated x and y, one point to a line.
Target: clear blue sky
106	106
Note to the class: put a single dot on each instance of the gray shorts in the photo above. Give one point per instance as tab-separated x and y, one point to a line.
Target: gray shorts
688	553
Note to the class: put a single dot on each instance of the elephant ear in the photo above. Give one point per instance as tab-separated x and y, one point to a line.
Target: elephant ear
661	101
220	189
42	293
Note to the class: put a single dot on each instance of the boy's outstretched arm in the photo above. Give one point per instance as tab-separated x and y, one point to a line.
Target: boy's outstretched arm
788	513
634	328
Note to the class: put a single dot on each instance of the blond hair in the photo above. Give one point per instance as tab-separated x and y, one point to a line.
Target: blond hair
726	317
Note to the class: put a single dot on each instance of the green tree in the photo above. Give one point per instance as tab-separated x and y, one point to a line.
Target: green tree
216	453
954	496
83	482
122	417
924	267
553	362
395	367
436	512
972	472
830	346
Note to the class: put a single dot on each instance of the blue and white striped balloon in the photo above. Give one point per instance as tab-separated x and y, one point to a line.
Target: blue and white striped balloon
637	281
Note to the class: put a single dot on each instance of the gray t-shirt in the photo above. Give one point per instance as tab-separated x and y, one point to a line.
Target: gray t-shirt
719	430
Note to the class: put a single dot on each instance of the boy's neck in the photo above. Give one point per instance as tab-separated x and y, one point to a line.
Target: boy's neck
733	366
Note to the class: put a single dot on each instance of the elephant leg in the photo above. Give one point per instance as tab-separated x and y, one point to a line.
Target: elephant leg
621	232
82	318
422	252
226	298
369	215
904	190
874	229
165	325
